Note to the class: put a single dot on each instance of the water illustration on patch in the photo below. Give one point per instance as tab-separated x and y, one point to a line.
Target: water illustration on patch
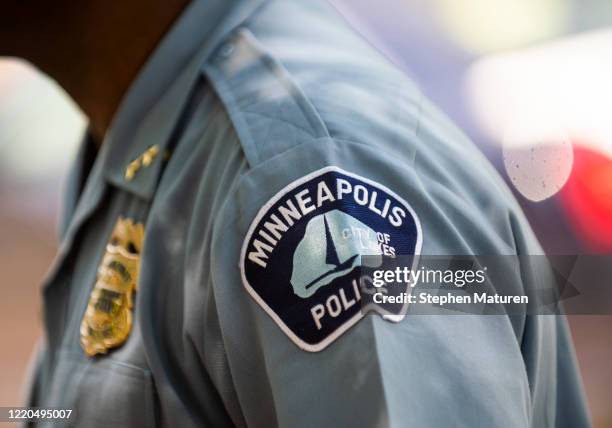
325	254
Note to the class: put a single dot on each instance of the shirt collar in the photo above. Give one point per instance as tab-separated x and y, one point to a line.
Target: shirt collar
153	104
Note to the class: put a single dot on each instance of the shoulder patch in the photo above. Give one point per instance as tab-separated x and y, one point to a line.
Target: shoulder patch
301	256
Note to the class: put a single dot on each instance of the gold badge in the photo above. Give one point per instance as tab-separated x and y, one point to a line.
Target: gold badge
108	318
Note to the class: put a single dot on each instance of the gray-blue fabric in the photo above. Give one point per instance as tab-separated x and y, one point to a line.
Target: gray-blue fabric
248	97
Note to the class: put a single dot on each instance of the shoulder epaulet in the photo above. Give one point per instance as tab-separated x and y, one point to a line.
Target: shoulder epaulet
267	108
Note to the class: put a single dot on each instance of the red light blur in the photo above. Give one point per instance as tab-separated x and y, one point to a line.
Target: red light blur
587	198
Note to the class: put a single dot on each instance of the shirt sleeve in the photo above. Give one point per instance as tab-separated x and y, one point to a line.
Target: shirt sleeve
427	370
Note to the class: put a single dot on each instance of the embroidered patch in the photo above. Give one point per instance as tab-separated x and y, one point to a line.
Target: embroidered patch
301	257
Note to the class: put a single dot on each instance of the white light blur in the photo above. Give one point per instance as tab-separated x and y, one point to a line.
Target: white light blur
489	25
543	97
40	128
39	125
537	168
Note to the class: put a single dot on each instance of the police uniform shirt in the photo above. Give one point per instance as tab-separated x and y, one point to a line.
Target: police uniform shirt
253	137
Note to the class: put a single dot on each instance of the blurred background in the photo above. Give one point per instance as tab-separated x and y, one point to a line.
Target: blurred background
529	81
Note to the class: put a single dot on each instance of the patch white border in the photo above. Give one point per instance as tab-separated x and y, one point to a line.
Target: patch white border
352	321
